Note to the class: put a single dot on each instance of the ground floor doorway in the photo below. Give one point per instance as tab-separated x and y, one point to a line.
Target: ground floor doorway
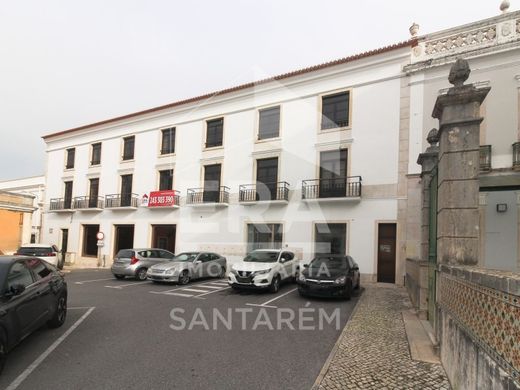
330	238
386	251
90	248
163	237
124	237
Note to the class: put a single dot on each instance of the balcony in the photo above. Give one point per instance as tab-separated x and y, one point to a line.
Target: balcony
201	197
87	203
516	156
276	192
121	201
336	189
485	158
61	205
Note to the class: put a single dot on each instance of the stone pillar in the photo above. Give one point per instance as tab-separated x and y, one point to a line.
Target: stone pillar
428	161
458	112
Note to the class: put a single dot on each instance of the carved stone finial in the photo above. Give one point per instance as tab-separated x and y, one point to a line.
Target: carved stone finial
414	29
459	72
504	6
433	137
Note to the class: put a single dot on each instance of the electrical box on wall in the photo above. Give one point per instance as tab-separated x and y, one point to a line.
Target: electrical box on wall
501	207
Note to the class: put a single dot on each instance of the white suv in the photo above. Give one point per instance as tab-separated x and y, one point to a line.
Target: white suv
264	268
47	252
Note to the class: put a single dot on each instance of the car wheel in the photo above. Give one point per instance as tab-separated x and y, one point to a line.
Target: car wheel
235	287
348	290
302	294
141	274
358	285
275	284
184	277
3	353
222	273
296	276
120	277
60	313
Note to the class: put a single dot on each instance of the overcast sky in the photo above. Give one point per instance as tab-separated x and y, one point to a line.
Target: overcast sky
68	63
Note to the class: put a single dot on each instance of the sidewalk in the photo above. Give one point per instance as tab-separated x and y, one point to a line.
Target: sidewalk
373	350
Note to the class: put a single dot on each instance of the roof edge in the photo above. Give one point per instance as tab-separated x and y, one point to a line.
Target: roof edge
340	61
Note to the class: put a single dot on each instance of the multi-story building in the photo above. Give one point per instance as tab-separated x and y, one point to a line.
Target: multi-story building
307	160
35	187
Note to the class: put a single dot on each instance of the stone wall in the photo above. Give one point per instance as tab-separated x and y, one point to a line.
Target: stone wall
479	327
417	285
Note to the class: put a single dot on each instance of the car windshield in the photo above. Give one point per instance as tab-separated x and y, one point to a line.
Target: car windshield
262	257
35	251
188	256
329	263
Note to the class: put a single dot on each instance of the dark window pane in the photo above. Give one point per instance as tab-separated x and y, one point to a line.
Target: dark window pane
40	270
168	141
211	183
71	154
333	173
128	148
126	190
330	238
96	154
266	178
335	110
67	198
264	236
269	123
19	274
166	180
215	132
93	192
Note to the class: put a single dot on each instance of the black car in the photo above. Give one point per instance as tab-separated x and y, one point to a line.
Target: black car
329	276
33	293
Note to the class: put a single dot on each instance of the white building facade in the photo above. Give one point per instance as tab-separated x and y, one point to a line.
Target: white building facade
307	160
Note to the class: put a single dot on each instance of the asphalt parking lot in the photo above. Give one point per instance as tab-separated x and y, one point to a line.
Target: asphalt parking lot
124	334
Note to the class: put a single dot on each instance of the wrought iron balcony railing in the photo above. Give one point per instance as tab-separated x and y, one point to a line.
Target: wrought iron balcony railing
60	204
264	192
88	202
485	158
113	201
516	155
202	196
339	187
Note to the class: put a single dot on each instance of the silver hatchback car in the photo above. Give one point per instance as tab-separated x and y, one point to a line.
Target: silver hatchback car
189	265
135	262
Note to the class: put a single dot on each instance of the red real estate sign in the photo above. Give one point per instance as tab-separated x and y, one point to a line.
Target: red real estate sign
162	199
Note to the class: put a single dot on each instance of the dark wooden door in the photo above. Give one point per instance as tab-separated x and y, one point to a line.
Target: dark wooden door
386	252
211	183
64	243
67	199
266	178
126	190
163	237
93	193
333	173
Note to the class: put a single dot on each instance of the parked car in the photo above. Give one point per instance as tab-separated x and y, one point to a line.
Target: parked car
33	293
187	266
48	252
135	262
264	269
329	275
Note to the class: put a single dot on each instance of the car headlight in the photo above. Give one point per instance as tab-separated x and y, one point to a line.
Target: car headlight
341	280
234	272
262	272
302	278
169	272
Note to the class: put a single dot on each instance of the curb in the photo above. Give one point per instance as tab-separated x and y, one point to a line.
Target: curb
335	348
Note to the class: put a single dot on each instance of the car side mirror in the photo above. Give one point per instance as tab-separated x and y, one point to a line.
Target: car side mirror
355	268
197	262
306	266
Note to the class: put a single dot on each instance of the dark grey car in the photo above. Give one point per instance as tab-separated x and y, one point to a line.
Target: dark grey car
135	262
189	265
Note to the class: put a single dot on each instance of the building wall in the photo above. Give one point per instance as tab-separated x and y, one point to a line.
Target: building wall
10	231
372	142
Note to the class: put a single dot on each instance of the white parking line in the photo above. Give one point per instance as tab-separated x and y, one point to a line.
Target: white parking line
211	292
120	287
194	290
179	294
94	280
212	287
178	288
47	352
266	304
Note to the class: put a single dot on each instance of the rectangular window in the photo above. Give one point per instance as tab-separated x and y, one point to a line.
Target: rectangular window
335	110
71	155
128	148
96	154
212	183
67	196
264	236
126	190
166	180
93	193
333	173
90	247
214	132
330	238
269	123
266	178
168	141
